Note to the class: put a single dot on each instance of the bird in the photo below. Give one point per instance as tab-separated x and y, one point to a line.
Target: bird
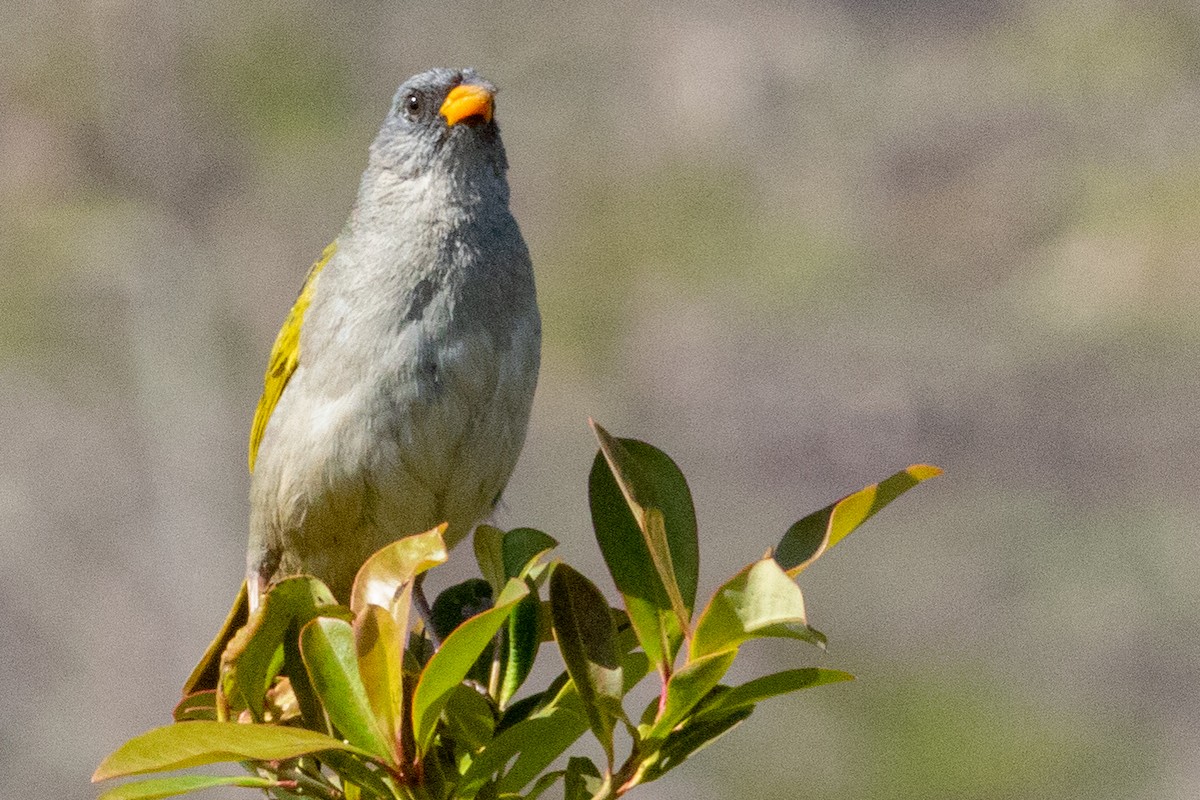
399	388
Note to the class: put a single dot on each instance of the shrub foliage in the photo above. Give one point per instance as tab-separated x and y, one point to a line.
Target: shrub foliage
377	700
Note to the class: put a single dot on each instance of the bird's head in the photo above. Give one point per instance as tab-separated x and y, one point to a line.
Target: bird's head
441	119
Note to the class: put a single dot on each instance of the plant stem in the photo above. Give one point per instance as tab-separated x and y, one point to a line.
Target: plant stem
308	785
493	688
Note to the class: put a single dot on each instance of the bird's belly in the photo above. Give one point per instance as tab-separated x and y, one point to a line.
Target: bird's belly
431	439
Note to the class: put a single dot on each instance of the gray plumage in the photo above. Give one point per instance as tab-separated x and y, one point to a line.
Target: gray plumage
418	355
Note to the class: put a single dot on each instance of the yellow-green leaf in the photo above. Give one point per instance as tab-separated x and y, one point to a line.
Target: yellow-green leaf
687	687
809	538
155	788
760	601
194	744
384	574
255	653
197	706
379	636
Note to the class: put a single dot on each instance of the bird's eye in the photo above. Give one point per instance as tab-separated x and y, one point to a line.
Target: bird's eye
412	104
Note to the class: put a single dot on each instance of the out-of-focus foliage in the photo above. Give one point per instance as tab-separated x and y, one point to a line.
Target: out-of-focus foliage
790	243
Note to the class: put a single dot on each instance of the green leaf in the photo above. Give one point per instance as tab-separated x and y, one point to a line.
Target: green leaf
384	574
194	744
634	667
583	780
457	604
645	524
659	505
328	649
353	769
759	689
808	539
489	552
586	636
182	784
760	601
470	720
254	655
450	664
691	738
541	744
687	687
521	646
522	548
535	742
543	783
312	715
200	705
521	710
657	631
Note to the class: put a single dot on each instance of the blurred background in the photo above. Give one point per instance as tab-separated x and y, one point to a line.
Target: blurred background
796	245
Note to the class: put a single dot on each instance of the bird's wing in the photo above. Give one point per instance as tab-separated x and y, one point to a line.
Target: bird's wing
285	355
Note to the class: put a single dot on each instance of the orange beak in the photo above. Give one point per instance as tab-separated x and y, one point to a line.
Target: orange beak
466	101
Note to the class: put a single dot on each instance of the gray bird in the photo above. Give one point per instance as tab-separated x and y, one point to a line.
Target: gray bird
399	387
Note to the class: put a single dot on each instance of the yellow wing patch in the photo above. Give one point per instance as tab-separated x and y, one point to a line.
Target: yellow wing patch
285	355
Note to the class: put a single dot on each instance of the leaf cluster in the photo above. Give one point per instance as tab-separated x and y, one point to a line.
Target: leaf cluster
378	700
